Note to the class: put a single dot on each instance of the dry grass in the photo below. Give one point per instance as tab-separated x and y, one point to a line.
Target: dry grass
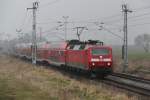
22	81
139	64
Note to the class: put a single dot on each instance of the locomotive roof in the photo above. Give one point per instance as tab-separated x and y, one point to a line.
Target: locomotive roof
82	45
90	42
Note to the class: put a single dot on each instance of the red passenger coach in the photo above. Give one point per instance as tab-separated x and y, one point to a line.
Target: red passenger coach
57	54
43	51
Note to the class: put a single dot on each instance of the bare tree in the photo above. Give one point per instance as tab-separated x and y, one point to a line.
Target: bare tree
144	41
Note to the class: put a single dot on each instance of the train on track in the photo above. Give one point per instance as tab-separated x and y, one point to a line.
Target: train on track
90	56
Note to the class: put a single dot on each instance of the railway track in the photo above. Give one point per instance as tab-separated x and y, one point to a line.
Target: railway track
124	81
131	83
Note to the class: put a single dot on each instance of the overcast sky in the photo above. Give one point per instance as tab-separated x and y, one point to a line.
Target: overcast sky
13	15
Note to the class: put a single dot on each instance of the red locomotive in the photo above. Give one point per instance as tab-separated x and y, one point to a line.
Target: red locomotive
91	56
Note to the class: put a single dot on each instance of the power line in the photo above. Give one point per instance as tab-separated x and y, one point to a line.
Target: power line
28	20
132	25
113	16
139	24
111	32
130	18
49	3
103	28
139	18
55	35
140	9
113	21
65	22
24	19
54	28
139	15
47	22
109	17
71	22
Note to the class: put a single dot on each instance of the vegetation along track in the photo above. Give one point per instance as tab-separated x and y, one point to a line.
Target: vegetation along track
129	82
125	81
119	80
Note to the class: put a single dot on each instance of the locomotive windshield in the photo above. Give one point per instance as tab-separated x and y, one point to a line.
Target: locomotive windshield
100	51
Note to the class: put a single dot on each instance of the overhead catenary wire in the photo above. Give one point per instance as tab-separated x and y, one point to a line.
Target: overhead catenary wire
27	22
138	18
104	28
56	35
117	15
69	22
53	28
131	17
141	8
47	22
132	25
108	24
142	18
24	20
108	19
49	3
112	33
139	24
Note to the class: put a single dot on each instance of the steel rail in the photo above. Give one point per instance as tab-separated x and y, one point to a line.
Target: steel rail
131	77
131	83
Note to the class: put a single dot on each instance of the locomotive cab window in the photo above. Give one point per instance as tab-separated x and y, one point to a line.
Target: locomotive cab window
100	51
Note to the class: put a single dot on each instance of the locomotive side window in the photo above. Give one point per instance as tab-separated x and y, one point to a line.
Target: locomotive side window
76	47
82	47
71	46
61	53
101	51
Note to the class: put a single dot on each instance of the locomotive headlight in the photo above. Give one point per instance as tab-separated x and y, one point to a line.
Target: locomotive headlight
108	64
107	59
95	60
93	64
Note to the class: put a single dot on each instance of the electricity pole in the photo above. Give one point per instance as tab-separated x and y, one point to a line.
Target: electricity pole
34	44
125	29
40	34
66	22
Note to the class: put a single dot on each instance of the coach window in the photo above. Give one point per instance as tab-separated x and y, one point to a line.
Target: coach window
62	53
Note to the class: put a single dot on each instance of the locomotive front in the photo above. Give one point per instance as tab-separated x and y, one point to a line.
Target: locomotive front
100	59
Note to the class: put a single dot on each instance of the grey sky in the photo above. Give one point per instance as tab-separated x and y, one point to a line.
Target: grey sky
13	13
